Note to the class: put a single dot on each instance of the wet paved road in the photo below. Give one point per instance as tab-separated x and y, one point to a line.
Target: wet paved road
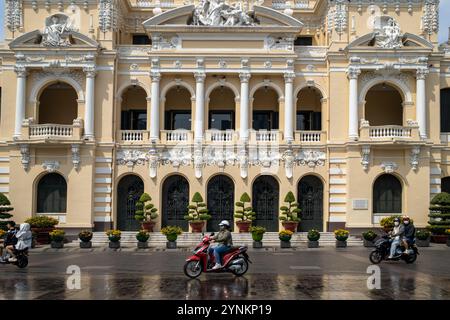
324	273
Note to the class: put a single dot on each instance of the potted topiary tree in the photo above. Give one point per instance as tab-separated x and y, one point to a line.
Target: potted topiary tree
42	226
5	208
289	213
198	214
341	238
171	233
85	237
439	217
369	238
114	237
285	237
142	237
57	239
257	235
423	238
146	212
313	238
244	213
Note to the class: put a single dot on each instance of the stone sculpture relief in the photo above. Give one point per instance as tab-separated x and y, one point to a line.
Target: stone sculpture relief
219	13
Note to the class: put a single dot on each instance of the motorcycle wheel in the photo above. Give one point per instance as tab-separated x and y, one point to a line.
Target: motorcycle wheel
375	257
191	270
411	258
242	271
22	262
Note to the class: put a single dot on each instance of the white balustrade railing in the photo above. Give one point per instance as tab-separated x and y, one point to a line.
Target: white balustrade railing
295	4
381	132
310	136
220	136
267	136
177	135
132	135
51	130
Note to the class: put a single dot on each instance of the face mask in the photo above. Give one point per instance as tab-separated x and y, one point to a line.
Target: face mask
406	222
396	224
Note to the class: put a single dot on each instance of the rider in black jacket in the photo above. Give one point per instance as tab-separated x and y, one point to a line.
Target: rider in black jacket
410	233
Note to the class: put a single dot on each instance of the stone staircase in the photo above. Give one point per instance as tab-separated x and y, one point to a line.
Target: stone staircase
190	240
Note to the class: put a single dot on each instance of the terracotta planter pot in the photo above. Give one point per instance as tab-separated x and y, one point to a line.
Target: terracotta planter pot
42	235
290	225
244	226
197	227
439	238
148	226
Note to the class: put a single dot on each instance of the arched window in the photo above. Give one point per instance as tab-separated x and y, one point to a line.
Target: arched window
445	110
387	195
52	194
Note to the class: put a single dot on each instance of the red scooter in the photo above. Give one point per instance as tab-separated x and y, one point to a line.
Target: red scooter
235	261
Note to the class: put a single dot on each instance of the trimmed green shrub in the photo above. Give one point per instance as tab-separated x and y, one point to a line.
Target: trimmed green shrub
5	208
197	212
145	210
244	212
313	235
42	222
290	212
369	235
439	214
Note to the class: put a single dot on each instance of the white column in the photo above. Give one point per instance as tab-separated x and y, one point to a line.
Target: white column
353	74
289	107
89	114
199	106
20	99
244	133
154	112
421	110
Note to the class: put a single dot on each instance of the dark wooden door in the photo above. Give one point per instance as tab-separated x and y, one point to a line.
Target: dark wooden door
220	201
310	198
129	191
265	201
175	202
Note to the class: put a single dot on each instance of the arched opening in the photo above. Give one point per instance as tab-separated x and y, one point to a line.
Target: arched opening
445	110
129	190
52	194
175	200
387	195
265	201
310	198
265	109
309	110
384	106
58	104
445	184
220	201
134	109
178	109
222	106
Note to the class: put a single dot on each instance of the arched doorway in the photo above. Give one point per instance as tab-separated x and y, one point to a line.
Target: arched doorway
178	109
265	109
445	184
134	109
220	201
222	106
265	195
58	104
387	195
129	190
310	198
384	106
52	194
309	110
175	200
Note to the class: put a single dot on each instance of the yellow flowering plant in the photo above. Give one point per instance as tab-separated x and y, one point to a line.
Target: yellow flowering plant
2	233
57	235
341	234
114	235
285	235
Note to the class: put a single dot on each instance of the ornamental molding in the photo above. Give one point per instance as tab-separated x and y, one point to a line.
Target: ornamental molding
220	13
131	157
58	29
311	158
14	15
430	18
25	156
276	43
177	156
414	161
365	157
389	166
388	34
162	43
337	17
76	155
51	166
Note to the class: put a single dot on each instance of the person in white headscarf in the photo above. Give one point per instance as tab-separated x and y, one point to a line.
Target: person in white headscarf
24	240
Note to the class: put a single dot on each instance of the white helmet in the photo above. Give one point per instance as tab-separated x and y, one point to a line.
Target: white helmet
224	223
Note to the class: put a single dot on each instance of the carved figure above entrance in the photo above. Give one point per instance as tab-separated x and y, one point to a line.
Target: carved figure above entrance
219	13
57	31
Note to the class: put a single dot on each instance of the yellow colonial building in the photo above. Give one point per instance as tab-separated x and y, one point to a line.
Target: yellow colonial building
344	103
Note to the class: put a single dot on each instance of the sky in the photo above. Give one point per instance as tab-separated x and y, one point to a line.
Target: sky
443	32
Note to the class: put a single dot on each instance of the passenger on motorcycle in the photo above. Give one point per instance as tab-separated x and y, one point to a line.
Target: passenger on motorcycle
24	241
410	234
224	242
397	235
10	239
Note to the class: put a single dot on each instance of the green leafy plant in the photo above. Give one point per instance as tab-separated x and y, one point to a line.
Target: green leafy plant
197	212
5	208
85	235
423	234
244	212
114	235
341	234
42	222
57	235
290	212
439	214
171	232
369	235
285	235
143	236
145	210
257	233
313	235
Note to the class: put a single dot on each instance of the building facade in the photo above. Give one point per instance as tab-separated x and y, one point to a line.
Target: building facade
346	104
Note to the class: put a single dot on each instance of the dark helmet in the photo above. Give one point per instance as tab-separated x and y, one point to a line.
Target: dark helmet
396	219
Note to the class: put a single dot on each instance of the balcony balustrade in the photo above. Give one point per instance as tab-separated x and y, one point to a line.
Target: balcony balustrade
57	132
176	136
310	137
221	136
266	136
389	132
134	136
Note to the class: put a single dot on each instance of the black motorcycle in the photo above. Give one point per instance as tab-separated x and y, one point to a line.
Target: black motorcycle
22	259
383	248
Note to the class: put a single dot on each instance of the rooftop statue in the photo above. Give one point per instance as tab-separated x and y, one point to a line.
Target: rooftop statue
389	35
56	32
218	13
